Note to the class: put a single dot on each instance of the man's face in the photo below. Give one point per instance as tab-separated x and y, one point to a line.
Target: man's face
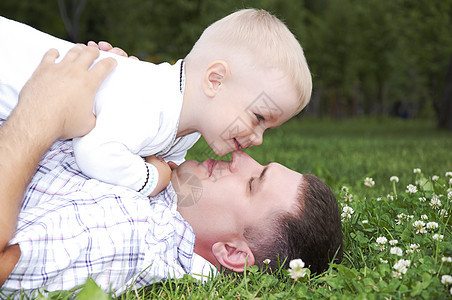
231	196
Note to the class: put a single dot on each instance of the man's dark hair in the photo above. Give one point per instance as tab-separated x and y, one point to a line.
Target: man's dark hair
312	233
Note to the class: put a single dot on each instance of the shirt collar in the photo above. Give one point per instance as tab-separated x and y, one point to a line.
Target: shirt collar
192	263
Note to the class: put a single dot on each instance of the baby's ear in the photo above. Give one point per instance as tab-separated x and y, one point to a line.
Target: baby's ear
214	76
234	255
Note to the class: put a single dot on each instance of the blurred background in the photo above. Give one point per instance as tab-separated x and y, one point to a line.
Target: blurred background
368	58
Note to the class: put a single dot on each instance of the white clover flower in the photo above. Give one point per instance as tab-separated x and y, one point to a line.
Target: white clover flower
438	237
417	171
409	251
432	225
446	279
381	240
419	226
422	199
435	202
379	199
409	217
296	263
415	247
449	194
401	266
396	275
394	179
448	174
380	247
390	197
345	216
344	189
393	242
401	216
443	213
435	177
450	181
297	269
267	261
400	219
347	212
411	189
446	259
424	217
348	198
383	261
396	251
365	221
369	182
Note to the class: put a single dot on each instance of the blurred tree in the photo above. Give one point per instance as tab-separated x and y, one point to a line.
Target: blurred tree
366	57
70	11
429	40
331	52
445	111
43	15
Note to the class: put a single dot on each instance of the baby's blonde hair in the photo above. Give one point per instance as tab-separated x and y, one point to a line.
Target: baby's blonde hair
264	36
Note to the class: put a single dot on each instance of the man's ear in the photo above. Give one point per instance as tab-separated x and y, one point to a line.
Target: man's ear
214	77
234	256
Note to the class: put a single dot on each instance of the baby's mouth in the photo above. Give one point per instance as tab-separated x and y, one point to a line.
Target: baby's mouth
237	144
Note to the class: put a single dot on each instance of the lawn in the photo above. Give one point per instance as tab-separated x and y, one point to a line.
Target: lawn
397	234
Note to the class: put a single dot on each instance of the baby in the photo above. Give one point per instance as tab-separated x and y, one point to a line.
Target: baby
246	73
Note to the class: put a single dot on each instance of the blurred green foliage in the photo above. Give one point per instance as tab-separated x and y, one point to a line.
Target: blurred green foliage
367	57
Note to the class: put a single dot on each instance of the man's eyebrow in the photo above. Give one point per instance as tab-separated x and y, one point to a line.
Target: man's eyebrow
262	176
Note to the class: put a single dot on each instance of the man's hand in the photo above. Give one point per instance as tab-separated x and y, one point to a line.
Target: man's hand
66	90
164	171
56	102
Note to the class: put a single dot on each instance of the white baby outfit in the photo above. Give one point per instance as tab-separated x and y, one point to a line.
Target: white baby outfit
137	108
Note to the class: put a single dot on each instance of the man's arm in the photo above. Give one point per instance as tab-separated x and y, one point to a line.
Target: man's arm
55	103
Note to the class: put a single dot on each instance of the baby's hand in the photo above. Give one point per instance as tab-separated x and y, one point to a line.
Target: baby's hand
106	46
164	171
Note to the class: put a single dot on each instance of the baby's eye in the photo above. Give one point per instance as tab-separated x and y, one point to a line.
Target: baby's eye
259	117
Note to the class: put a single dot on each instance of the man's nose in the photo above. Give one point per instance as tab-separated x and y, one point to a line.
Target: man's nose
242	161
238	157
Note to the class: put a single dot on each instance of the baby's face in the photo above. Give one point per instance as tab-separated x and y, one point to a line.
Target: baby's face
246	107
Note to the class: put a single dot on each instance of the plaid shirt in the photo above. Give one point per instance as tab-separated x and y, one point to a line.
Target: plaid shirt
72	227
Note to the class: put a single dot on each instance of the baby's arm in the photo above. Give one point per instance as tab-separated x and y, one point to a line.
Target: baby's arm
112	162
164	173
156	168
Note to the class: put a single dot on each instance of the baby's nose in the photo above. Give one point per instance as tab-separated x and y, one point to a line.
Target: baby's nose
258	138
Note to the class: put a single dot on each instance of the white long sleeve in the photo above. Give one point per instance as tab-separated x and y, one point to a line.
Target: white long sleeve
137	107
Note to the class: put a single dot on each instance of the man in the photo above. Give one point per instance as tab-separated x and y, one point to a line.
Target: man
71	227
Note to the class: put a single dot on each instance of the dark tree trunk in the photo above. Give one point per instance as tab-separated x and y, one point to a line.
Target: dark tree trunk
71	17
445	110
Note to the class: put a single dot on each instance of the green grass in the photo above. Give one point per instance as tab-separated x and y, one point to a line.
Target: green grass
343	153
